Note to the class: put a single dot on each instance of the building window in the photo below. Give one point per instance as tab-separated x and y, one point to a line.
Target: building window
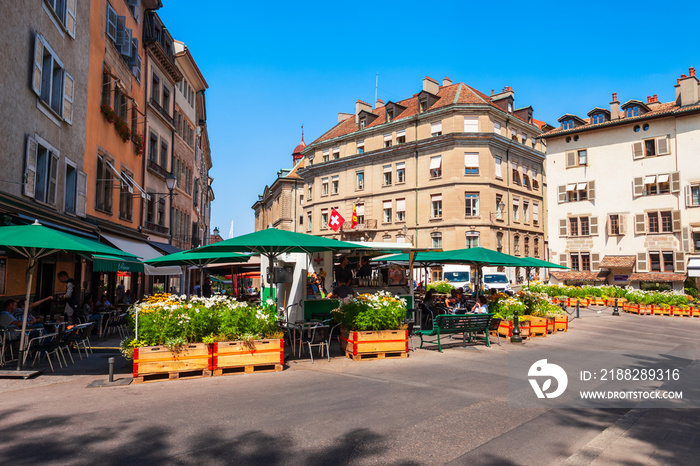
436	206
326	156
360	177
499	173
360	211
472	238
516	245
666	222
361	147
436	166
583	157
401	172
499	207
166	100
573	226
310	191
471	204
155	89
536	248
161	212
387	211
516	210
526	246
164	154
387	175
567	124
125	198
471	124
597	118
661	261
526	211
471	163
401	210
103	186
575	264
70	189
584	226
334	185
423	106
387	140
308	221
324	219
363	123
653	222
48	74
693	194
632	111
336	153
614	221
573	192
389	115
514	135
585	262
535	213
516	174
497	127
324	186
401	137
436	128
535	183
436	239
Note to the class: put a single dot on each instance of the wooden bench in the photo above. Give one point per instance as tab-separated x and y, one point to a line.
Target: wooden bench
468	324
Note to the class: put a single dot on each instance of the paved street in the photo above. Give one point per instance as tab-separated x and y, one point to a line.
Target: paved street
430	408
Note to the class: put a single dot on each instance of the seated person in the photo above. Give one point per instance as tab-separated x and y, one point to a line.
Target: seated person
104	305
31	320
342	291
480	307
456	298
7	319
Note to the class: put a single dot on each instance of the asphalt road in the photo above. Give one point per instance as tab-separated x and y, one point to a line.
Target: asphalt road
430	408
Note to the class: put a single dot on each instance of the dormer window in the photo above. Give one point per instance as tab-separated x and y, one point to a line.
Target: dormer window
597	118
567	124
510	107
389	115
632	111
423	105
363	123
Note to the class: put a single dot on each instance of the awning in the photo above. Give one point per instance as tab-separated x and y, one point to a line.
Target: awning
571	187
435	162
650	179
144	251
663	178
101	263
694	267
581	186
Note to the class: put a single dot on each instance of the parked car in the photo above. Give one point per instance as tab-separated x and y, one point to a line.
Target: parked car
458	275
497	281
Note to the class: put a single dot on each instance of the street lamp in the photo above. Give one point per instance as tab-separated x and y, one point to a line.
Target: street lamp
171	182
216	231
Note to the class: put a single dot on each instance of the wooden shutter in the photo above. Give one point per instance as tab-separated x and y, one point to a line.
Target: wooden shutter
81	197
675	182
593	226
638	187
591	190
639	224
111	23
637	150
688	196
38	64
662	146
676	220
680	261
685	239
30	167
595	261
68	92
563	260
53	179
641	262
562	194
70	17
121	32
570	159
623	224
125	47
562	227
136	4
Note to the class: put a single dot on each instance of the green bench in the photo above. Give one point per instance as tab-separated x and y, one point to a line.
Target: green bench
467	324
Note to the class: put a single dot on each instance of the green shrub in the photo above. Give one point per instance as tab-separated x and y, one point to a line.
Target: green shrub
380	311
440	287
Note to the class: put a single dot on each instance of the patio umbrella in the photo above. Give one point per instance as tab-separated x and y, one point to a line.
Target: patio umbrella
534	262
273	242
36	241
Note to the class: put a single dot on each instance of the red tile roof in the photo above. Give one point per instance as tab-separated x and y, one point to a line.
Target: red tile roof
657	277
458	93
580	276
618	262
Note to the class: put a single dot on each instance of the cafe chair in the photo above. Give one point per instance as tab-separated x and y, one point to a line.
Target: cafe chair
316	336
410	321
48	345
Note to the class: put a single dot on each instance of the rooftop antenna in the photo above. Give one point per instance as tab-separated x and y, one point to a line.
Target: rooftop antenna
230	232
302	133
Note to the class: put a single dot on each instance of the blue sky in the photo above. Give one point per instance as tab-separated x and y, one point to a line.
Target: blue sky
273	66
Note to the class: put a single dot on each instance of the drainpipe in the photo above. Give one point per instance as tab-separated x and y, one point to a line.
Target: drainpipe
509	203
415	169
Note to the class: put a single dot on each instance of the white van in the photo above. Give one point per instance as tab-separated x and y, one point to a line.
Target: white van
496	281
458	275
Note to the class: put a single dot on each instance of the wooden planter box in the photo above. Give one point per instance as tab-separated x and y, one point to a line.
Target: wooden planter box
694	312
661	311
561	323
677	311
611	301
550	324
571	302
525	331
505	328
595	301
239	357
378	344
153	363
538	325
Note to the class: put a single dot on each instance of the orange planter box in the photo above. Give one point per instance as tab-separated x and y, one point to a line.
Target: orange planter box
561	323
149	360
538	325
380	341
228	354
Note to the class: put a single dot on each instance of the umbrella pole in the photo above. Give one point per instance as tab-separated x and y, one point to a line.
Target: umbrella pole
30	276
201	278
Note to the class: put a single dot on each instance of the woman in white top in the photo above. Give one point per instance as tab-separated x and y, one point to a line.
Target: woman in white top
480	307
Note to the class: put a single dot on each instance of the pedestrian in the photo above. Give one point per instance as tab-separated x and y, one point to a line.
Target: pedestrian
206	289
343	273
120	293
71	298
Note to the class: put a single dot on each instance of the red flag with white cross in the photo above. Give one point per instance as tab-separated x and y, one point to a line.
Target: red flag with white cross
336	220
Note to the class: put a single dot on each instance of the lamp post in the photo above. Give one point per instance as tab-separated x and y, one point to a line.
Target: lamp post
171	182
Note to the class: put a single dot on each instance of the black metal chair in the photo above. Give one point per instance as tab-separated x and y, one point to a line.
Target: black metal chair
317	335
48	345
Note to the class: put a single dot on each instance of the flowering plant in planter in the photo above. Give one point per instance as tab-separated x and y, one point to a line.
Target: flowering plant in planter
440	287
379	311
108	112
122	129
139	142
173	321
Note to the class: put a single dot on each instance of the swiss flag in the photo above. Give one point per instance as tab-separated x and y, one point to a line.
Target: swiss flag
336	220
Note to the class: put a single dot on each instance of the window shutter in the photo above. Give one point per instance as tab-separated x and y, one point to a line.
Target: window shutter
662	146
595	261
81	198
639	224
675	182
53	179
111	23
125	48
608	225
121	32
30	167
471	124
38	64
680	261
570	159
563	260
562	194
688	196
499	173
637	150
70	17
593	225
68	91
685	236
591	190
562	228
136	4
638	189
641	262
676	220
623	224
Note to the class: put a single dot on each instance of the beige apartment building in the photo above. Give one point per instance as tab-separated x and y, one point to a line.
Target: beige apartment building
449	167
625	207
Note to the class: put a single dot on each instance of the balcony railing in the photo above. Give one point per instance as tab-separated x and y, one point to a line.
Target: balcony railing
368	225
163	112
157	228
156	168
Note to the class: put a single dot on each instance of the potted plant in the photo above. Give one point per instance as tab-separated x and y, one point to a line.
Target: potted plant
372	326
108	112
139	142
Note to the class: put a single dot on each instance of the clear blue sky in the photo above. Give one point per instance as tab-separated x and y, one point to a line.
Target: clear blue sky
273	66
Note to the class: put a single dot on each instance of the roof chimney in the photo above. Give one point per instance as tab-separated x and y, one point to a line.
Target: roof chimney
379	103
343	116
446	81
359	106
692	71
614	107
430	85
687	89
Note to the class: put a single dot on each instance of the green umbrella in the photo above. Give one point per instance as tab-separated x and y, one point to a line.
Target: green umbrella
36	241
420	256
481	256
539	263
